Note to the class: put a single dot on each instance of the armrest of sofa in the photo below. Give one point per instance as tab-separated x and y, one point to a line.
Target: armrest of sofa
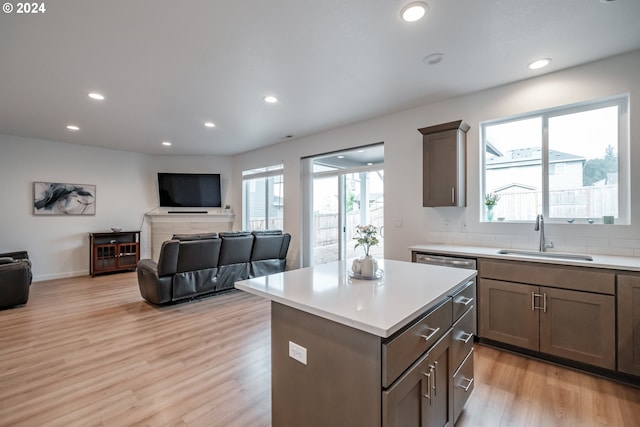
15	277
154	288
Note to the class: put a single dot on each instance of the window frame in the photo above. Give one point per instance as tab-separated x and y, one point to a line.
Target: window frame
249	176
624	188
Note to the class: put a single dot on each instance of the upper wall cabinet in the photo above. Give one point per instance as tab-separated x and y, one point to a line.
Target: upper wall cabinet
444	164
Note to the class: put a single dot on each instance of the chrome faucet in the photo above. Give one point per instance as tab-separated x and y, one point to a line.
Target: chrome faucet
540	227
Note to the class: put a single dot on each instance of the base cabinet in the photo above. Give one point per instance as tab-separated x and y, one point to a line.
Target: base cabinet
629	324
422	397
577	325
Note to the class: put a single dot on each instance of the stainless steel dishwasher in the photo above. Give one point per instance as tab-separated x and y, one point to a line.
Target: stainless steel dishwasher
446	261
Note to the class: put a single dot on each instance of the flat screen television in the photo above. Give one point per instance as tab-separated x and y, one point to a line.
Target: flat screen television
189	190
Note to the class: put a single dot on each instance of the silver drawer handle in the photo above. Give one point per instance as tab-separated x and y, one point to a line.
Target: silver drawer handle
466	338
464	300
431	335
469	382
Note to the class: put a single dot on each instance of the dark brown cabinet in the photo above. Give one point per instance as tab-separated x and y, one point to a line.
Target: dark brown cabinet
444	164
422	397
572	324
115	251
629	324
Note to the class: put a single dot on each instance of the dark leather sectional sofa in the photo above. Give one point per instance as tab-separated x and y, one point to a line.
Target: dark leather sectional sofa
191	265
15	278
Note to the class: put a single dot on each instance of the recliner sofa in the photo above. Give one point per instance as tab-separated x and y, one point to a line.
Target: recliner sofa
15	278
191	265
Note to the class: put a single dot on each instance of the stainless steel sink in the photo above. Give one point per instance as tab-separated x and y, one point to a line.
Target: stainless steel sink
558	255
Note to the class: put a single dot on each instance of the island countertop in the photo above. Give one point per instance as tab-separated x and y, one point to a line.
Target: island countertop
380	307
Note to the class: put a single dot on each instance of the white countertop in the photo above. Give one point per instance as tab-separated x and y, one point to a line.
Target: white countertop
599	261
380	307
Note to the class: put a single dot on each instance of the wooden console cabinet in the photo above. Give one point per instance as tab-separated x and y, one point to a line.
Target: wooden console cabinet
114	251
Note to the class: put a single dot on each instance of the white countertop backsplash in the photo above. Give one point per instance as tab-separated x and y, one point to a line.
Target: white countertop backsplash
380	307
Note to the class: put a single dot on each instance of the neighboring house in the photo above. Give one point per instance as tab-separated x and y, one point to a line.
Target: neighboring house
521	170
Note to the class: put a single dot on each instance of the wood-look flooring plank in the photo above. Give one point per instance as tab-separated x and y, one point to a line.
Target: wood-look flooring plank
90	352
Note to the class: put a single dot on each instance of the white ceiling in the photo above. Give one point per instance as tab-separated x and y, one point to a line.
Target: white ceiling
167	66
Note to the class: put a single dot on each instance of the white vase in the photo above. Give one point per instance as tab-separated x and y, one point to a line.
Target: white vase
369	266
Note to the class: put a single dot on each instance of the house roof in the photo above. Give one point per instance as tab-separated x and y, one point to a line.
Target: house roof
528	157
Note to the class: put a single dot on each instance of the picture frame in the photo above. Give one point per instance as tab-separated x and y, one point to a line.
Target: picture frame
55	198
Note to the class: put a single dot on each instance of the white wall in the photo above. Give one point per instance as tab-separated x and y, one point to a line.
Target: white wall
403	168
59	245
126	188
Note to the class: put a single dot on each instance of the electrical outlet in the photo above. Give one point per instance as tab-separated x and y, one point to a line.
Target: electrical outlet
298	352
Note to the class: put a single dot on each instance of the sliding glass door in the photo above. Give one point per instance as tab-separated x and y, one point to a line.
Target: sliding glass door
347	190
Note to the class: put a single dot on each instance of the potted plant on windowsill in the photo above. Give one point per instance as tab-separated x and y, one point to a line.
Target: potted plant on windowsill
490	200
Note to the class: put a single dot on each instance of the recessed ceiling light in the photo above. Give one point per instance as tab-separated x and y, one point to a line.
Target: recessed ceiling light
369	164
166	143
540	63
433	59
210	124
341	157
270	99
73	127
96	96
414	11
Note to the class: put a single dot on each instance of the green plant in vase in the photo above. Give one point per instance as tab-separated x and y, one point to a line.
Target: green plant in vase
366	236
490	200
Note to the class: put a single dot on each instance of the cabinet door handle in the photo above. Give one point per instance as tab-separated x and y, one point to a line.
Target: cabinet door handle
533	302
435	377
544	302
428	393
463	300
469	382
431	334
465	337
453	195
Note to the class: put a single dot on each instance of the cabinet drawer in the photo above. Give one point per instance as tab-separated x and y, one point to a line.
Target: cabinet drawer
560	276
464	300
462	338
402	350
462	385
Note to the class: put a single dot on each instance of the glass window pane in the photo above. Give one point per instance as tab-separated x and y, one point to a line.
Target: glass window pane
584	147
513	168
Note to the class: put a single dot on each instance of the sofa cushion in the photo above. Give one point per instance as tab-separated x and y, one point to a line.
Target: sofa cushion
198	255
236	247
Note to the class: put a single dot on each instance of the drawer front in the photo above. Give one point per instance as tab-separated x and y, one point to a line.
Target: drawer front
559	276
462	337
464	300
462	385
400	353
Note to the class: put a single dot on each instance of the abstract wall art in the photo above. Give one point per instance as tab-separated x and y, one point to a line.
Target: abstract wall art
53	198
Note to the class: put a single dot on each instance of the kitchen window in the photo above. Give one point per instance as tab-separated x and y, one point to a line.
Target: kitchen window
569	163
262	198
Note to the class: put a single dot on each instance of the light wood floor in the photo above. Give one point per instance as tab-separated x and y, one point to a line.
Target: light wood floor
91	352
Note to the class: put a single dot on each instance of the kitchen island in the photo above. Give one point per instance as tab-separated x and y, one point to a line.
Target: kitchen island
348	352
